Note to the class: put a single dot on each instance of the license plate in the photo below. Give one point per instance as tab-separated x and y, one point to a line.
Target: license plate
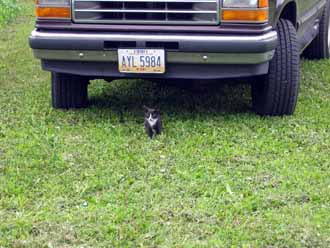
141	60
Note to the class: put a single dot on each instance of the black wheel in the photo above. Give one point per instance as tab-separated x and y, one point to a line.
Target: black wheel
69	91
320	46
276	93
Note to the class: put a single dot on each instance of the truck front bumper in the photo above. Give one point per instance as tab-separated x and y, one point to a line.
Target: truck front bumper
187	56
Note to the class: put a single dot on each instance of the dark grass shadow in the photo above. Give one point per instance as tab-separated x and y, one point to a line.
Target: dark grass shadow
180	98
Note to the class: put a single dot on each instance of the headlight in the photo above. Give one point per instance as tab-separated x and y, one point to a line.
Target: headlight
54	2
240	3
53	9
245	11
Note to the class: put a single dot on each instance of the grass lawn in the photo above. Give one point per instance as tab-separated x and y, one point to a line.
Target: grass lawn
219	176
9	9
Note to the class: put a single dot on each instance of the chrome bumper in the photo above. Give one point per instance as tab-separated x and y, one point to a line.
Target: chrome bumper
171	57
192	49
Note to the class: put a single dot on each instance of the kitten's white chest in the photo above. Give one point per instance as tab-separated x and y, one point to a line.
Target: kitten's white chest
152	121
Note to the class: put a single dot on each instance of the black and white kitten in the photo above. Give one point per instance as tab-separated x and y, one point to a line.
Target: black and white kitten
152	121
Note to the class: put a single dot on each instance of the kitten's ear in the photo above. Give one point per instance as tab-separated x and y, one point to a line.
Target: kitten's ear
146	109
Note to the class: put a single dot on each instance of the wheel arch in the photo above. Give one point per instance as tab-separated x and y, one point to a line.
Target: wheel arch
287	9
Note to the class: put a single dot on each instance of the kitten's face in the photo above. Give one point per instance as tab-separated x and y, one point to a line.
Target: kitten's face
152	116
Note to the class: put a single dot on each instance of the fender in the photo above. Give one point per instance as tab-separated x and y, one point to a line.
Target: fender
279	6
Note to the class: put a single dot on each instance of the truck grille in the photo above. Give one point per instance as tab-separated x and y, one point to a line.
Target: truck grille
191	12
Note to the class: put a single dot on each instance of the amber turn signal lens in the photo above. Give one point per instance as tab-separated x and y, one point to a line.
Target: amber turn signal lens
53	12
263	3
260	15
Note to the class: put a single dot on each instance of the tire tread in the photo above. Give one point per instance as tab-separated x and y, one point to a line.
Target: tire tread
280	86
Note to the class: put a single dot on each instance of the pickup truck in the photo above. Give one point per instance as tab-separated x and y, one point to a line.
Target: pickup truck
81	40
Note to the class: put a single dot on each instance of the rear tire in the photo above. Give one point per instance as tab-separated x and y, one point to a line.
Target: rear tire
69	91
275	94
320	46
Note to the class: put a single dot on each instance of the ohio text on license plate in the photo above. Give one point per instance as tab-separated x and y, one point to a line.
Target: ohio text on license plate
141	60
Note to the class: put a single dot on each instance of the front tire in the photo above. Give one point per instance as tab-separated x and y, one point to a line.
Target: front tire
320	46
275	94
69	91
